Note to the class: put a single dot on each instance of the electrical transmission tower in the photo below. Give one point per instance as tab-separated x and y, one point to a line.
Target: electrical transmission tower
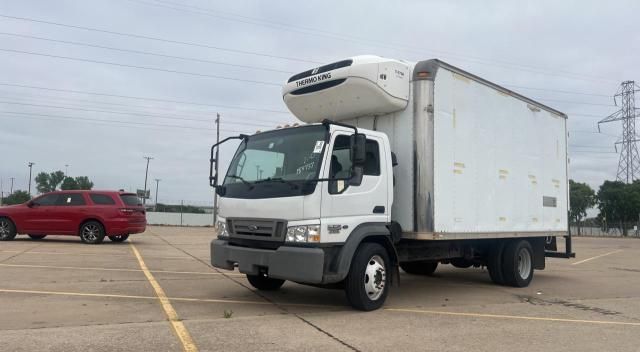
629	165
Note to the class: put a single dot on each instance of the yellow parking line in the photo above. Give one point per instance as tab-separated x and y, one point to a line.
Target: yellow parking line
116	269
97	253
497	316
596	257
176	323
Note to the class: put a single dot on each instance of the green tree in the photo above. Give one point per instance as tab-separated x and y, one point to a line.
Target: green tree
69	183
48	182
17	197
582	197
619	204
84	183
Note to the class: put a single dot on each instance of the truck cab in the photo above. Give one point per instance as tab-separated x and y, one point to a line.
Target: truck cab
296	203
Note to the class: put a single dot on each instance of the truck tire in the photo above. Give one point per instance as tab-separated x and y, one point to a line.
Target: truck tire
517	263
37	237
92	232
367	283
421	267
7	229
264	283
494	263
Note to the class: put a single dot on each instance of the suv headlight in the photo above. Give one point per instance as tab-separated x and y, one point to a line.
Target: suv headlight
303	234
222	229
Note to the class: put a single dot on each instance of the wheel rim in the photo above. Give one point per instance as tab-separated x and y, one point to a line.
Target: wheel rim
524	263
375	277
4	228
90	232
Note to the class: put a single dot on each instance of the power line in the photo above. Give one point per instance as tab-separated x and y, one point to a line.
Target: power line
59	117
145	98
92	102
131	35
247	66
129	113
333	35
141	67
573	102
144	52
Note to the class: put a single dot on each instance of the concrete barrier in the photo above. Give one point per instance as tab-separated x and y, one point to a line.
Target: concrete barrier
178	219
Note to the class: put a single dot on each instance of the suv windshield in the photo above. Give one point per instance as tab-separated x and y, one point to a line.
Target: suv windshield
276	163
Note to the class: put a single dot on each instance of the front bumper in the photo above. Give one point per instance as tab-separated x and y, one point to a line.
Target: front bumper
299	264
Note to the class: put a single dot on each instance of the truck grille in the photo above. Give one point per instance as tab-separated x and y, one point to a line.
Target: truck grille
262	229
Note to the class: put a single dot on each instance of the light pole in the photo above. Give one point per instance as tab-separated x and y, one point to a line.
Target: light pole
66	169
146	174
215	194
30	169
155	208
11	189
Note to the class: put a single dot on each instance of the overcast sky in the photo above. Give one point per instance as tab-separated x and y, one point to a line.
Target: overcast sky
574	54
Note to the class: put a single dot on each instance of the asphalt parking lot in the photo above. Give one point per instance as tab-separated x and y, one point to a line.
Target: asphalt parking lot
158	293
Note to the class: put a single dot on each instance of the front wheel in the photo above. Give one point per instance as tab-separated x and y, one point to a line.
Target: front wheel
118	238
92	232
367	283
37	237
7	230
265	283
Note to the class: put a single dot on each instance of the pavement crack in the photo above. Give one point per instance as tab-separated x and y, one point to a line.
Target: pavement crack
257	293
19	253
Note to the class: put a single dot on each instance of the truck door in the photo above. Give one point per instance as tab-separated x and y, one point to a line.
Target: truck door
343	206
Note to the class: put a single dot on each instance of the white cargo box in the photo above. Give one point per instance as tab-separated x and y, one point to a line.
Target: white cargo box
476	160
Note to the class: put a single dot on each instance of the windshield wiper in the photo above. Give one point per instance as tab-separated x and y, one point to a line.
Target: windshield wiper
241	179
278	179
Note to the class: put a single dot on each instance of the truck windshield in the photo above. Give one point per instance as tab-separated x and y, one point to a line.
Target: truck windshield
276	163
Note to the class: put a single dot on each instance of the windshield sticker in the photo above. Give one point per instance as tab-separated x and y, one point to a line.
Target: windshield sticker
318	147
271	145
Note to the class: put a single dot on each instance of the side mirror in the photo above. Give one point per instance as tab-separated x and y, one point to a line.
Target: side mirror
221	190
356	175
31	204
358	149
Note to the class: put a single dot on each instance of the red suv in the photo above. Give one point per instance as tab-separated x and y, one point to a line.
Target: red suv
92	215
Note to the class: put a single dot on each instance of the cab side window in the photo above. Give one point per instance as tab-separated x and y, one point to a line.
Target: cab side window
372	164
341	162
70	199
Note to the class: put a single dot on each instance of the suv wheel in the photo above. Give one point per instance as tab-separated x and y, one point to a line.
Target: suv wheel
92	232
7	229
118	238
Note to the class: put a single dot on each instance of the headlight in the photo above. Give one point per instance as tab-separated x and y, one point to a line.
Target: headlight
303	233
222	229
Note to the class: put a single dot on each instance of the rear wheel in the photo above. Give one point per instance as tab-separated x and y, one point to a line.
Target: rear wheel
421	267
367	283
37	237
265	283
494	263
7	229
118	238
517	263
92	232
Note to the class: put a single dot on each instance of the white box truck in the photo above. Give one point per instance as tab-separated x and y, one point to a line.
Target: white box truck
398	164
